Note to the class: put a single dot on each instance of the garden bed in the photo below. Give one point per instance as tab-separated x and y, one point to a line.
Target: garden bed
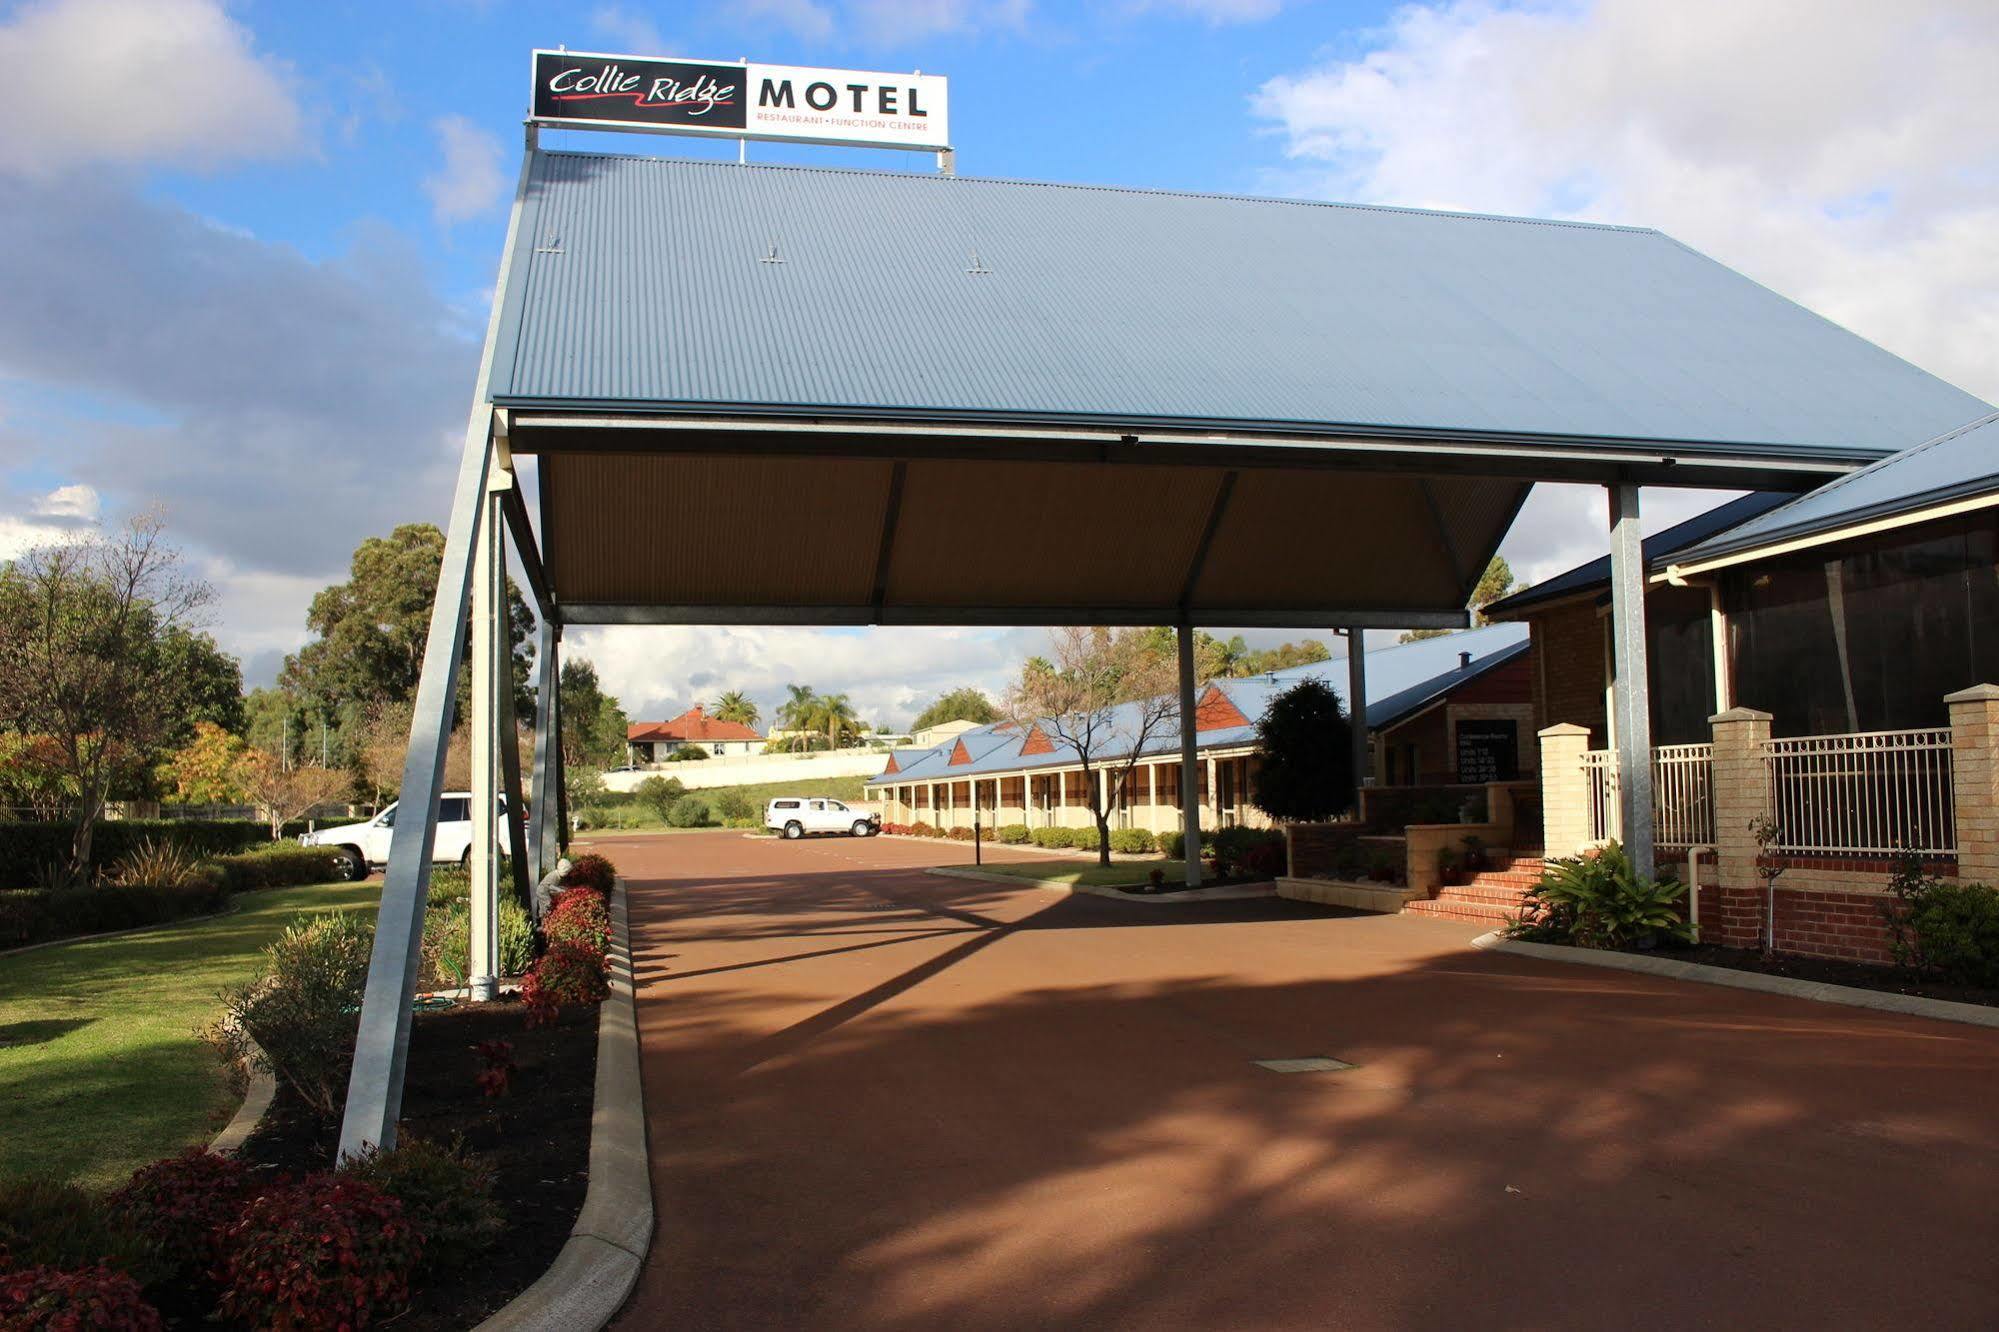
536	1138
1825	971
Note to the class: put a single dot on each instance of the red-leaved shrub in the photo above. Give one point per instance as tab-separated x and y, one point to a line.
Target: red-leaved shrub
182	1206
579	917
566	974
325	1251
497	1073
43	1299
591	871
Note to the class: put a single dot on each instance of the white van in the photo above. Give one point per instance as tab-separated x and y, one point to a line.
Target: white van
795	816
365	846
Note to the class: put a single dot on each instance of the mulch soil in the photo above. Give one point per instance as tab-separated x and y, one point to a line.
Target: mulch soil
1858	975
536	1138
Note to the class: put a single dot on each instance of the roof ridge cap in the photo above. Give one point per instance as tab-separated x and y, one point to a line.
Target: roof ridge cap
1449	214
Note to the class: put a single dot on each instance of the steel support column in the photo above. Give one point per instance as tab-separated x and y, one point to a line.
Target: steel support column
1190	765
548	685
510	775
381	1046
1631	695
489	600
1363	775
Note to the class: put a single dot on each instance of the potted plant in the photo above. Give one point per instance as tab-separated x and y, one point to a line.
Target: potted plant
1474	858
1447	866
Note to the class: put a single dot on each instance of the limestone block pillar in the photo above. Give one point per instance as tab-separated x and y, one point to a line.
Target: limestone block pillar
1741	801
1564	789
1974	742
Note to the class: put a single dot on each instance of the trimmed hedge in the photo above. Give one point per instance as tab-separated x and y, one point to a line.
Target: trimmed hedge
1133	841
26	849
278	865
1012	834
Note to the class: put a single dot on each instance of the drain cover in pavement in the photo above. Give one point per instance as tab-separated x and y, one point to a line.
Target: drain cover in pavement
1309	1064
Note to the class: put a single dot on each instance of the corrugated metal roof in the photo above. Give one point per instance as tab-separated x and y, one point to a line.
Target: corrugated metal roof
1400	680
1955	465
641	280
1593	576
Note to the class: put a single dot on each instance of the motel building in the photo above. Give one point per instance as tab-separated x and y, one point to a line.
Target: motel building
1442	713
654	742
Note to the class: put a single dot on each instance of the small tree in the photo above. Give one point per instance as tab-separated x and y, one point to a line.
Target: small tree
88	632
283	794
967	704
209	769
1106	696
1304	746
659	793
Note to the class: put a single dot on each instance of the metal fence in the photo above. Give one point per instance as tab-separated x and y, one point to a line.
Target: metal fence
1682	796
1873	793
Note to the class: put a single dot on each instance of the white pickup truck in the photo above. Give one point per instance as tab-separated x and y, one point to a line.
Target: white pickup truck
795	816
365	846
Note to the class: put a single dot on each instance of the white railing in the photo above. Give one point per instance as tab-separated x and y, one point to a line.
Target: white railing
1683	796
1874	793
1600	778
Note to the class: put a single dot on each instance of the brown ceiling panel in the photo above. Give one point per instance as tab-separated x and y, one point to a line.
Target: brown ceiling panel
678	530
1047	534
1304	539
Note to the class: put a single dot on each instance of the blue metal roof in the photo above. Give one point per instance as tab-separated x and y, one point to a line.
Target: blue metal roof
1401	680
1953	466
690	284
1593	576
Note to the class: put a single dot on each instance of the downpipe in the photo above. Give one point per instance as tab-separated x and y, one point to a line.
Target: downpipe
1694	854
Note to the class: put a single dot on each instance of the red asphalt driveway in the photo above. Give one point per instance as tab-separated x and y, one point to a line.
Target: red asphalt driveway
879	1098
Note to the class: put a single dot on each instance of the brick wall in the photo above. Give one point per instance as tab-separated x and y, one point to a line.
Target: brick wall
1568	668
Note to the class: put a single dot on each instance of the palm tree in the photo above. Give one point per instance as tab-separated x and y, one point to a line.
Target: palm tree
833	714
735	706
798	713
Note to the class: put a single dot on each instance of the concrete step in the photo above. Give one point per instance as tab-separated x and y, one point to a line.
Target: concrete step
1484	913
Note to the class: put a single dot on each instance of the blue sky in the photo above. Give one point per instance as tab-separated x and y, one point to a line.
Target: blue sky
252	243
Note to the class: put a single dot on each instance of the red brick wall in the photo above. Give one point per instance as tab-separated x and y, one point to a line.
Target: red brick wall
1568	669
1815	917
1511	683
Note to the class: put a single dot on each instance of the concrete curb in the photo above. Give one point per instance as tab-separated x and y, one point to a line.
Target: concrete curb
592	1277
257	1098
1228	892
1911	1005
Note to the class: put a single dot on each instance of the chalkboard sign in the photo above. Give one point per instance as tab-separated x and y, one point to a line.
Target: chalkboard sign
1488	751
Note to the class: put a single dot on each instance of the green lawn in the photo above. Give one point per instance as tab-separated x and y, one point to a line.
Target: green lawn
1089	872
101	1069
629	815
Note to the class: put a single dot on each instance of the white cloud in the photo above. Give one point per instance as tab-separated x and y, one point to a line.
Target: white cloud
139	82
79	502
891	674
801	18
892	22
1215	11
628	31
469	179
1838	150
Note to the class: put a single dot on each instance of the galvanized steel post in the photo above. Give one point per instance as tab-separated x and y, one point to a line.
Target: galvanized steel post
548	683
1357	707
1630	693
489	599
1190	788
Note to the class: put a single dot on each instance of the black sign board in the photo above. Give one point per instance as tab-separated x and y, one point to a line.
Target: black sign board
571	86
1488	751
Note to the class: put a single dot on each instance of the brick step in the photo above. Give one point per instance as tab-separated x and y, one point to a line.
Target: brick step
1504	879
1484	913
1471	892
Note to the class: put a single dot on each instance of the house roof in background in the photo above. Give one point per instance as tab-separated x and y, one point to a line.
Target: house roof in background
687	284
1401	680
692	726
1957	465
